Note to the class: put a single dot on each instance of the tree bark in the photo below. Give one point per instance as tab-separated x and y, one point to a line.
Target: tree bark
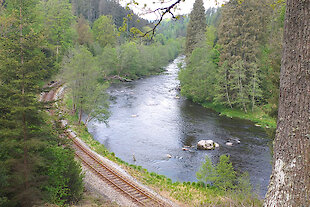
290	181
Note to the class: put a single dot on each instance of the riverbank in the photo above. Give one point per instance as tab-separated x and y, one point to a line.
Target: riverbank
185	194
258	116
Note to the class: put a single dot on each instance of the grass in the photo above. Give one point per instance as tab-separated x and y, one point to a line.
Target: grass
258	116
185	194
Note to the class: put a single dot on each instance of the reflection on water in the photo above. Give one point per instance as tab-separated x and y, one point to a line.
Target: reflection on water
150	120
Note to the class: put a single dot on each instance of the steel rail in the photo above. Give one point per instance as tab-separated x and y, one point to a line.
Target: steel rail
107	179
125	186
136	189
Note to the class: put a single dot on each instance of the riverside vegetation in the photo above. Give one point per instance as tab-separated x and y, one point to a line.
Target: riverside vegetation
233	66
219	185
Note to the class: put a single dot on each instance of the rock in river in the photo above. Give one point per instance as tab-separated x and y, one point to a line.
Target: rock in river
206	144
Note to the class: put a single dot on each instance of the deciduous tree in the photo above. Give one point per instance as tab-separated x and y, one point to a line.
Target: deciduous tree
81	75
105	31
58	19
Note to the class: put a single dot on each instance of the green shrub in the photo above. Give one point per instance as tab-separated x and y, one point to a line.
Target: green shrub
65	181
223	176
226	176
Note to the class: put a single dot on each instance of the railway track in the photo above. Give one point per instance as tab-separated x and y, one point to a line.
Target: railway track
105	172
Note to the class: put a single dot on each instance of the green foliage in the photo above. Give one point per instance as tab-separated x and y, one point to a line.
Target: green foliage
213	16
206	173
197	78
132	60
22	134
226	176
105	31
92	9
25	134
108	61
238	65
240	38
65	181
85	36
3	184
196	27
58	19
223	176
81	75
173	29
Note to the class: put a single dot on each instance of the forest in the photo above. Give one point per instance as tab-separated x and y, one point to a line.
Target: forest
240	59
237	63
43	39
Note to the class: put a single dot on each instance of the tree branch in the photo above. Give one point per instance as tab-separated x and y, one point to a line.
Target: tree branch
164	11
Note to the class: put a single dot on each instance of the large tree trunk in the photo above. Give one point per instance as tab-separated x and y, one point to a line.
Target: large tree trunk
290	180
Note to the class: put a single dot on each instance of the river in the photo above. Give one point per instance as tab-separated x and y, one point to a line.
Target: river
150	120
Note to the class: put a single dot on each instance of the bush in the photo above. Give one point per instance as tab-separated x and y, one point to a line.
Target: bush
65	181
223	176
226	176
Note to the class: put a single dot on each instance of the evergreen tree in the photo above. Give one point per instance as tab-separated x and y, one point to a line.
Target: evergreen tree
24	133
93	9
241	34
196	27
197	79
22	66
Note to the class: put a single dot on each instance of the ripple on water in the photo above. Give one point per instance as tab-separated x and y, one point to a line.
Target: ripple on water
164	124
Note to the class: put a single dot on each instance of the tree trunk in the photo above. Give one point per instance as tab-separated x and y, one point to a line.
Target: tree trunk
290	180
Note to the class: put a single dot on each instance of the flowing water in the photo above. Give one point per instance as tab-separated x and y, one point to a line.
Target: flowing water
150	120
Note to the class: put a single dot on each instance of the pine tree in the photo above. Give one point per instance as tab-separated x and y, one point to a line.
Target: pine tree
22	66
196	27
24	132
241	34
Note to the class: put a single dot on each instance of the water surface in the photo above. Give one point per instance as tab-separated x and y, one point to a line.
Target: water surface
150	120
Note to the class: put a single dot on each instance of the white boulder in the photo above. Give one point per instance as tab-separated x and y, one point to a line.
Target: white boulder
206	144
